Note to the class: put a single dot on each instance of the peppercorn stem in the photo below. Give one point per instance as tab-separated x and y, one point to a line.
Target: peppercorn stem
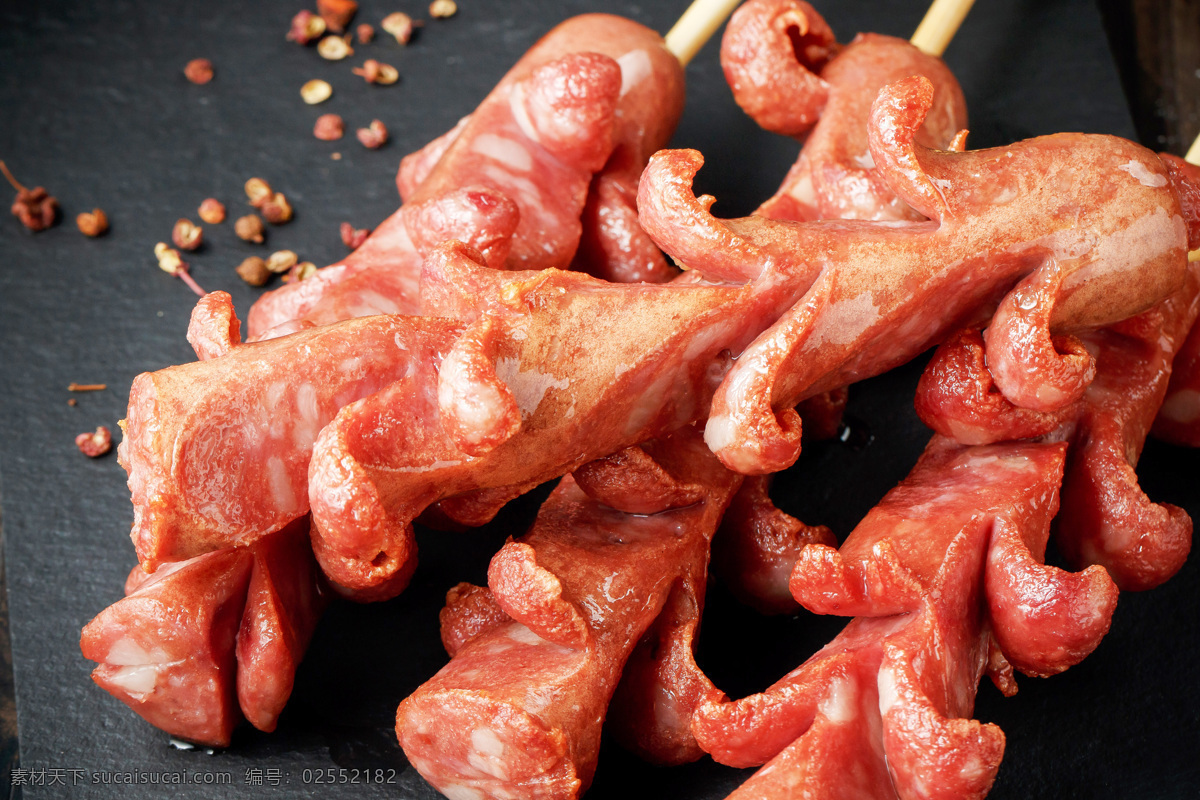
15	183
183	275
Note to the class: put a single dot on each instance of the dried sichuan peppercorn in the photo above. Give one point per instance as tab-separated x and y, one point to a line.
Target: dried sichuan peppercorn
353	237
373	71
329	128
36	208
373	136
93	223
249	228
199	71
306	27
187	235
254	271
94	445
212	211
399	25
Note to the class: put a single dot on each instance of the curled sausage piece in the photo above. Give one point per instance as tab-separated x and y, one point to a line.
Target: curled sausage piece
1002	498
788	73
284	602
470	611
593	368
217	451
637	480
757	547
214	329
771	53
197	644
178	676
1106	518
516	714
882	711
958	398
1103	209
662	686
1032	369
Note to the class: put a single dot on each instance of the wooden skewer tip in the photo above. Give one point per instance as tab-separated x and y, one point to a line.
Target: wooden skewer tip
940	24
696	26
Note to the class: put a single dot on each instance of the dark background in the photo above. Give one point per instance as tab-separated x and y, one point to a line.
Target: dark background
93	105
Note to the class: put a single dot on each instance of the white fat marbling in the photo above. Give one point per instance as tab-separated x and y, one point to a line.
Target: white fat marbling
455	791
516	104
845	320
838	705
1143	175
720	432
281	485
519	633
136	680
125	652
507	151
888	696
528	387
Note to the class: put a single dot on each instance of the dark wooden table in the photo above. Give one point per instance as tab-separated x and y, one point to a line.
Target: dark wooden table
1157	47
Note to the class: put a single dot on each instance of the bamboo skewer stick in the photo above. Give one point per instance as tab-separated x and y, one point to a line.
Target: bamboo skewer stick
696	26
702	18
940	24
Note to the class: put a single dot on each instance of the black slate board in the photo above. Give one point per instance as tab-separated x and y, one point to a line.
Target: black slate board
93	105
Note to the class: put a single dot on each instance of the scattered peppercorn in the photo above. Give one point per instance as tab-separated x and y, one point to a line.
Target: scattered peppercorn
365	33
254	271
92	224
187	235
72	403
329	128
36	208
258	192
281	261
94	445
373	136
277	210
334	48
249	228
399	25
306	27
337	13
169	260
373	71
212	211
440	9
316	91
199	71
353	237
